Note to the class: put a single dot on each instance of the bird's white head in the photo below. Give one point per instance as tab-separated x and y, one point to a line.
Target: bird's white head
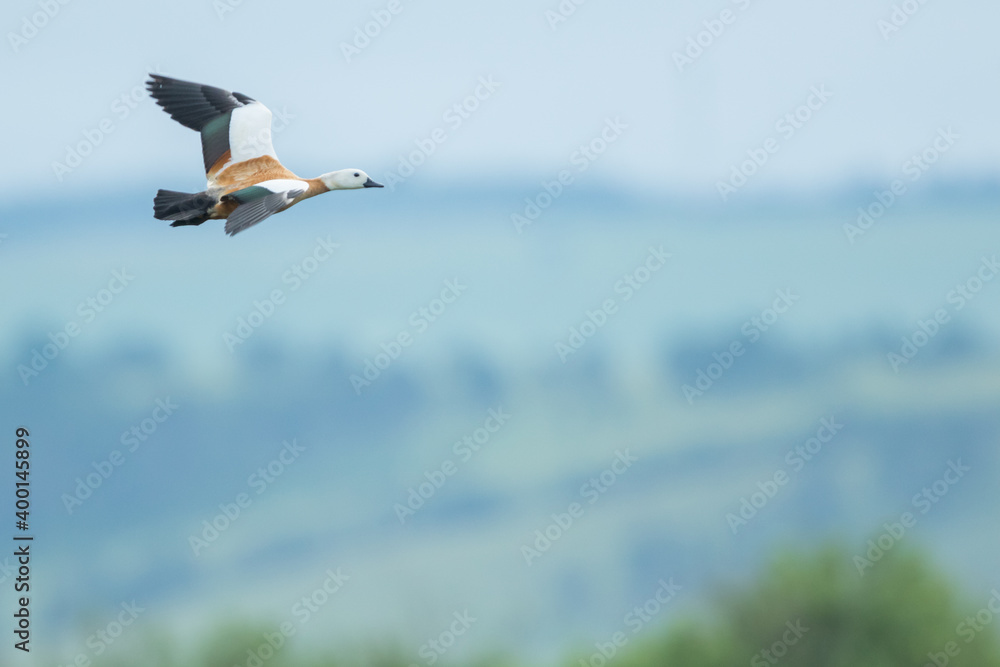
348	179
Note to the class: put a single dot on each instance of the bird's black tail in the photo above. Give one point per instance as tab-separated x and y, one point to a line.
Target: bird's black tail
182	207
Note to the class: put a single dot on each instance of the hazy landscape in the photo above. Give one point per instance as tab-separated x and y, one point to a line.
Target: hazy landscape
247	478
671	339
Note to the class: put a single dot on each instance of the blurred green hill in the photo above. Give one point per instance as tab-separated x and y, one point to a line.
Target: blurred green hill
817	611
805	610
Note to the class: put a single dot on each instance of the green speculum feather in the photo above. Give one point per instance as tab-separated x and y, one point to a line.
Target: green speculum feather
249	194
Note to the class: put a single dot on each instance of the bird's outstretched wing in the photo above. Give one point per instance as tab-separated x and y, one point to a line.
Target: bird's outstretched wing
261	201
234	127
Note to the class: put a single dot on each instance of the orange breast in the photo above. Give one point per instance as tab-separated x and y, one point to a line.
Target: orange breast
250	172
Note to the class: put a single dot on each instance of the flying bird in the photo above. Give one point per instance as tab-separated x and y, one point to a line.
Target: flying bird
246	182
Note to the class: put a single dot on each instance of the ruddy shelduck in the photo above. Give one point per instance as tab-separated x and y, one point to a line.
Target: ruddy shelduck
246	182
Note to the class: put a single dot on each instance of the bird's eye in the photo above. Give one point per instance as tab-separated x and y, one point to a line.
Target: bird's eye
356	175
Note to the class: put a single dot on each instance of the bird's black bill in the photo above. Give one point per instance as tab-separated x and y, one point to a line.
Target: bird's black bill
372	184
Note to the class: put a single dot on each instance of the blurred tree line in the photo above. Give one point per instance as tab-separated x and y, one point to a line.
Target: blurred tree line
804	610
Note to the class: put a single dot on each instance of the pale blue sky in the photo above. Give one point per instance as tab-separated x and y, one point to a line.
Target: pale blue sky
557	88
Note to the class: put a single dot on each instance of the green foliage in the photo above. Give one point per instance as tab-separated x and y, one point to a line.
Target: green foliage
806	610
894	615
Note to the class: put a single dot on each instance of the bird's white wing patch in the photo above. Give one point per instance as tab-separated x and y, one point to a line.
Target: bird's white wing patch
283	185
250	133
